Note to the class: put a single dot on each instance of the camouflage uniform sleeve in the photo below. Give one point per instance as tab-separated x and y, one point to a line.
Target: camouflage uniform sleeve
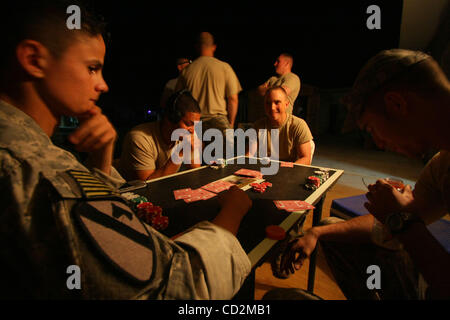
220	262
114	179
17	182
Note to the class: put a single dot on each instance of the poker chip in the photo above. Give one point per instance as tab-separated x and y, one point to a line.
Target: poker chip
218	164
313	182
160	222
138	200
130	195
260	187
144	206
260	190
275	232
148	212
323	175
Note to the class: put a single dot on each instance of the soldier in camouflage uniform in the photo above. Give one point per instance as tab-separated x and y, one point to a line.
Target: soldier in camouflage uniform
402	98
48	222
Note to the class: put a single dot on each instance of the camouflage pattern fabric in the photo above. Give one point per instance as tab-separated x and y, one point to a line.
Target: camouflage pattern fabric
39	238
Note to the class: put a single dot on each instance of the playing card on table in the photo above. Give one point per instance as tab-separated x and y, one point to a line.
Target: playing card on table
218	186
182	193
249	173
292	205
199	194
286	164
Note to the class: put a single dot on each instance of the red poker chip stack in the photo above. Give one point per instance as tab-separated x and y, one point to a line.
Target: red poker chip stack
160	222
260	187
152	215
314	181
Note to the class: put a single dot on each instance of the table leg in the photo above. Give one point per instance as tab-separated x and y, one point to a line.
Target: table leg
317	216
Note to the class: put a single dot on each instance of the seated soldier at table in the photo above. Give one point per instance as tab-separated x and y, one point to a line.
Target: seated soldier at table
295	139
147	148
402	98
50	228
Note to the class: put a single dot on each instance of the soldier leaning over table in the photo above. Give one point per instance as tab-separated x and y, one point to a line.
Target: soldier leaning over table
49	71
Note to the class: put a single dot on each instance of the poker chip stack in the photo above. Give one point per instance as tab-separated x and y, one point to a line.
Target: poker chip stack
315	181
322	175
218	164
146	211
260	187
152	215
160	222
312	183
134	199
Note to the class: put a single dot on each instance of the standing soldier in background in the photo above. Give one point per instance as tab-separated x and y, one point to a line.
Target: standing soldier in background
213	84
284	78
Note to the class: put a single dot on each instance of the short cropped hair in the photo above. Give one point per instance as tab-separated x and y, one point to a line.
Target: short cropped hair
44	21
280	88
289	56
393	70
179	104
205	39
425	77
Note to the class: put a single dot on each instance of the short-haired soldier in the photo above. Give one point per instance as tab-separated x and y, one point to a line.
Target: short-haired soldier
402	98
58	213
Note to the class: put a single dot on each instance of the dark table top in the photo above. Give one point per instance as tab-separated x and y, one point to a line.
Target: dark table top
287	184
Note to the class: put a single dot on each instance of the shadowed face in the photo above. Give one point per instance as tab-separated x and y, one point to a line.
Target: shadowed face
281	65
188	121
394	134
73	82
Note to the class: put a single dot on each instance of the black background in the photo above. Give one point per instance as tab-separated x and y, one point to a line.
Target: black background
328	39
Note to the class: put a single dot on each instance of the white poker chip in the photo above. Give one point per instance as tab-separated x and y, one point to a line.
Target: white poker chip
129	195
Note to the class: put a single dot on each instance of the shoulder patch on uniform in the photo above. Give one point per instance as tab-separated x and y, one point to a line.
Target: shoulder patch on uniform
90	186
119	235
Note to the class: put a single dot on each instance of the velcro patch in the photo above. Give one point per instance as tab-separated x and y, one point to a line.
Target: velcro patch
91	186
119	235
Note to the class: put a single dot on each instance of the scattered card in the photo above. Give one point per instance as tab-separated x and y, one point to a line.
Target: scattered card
218	186
293	205
182	193
199	194
286	164
249	173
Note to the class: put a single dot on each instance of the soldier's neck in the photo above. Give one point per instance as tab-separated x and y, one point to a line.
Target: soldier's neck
33	106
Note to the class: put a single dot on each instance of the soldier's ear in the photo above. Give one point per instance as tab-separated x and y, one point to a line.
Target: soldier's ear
396	104
32	57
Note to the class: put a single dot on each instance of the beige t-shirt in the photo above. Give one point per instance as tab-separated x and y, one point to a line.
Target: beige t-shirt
293	132
290	80
433	187
210	81
144	149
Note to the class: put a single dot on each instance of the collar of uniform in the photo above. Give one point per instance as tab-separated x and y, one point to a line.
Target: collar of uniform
16	117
